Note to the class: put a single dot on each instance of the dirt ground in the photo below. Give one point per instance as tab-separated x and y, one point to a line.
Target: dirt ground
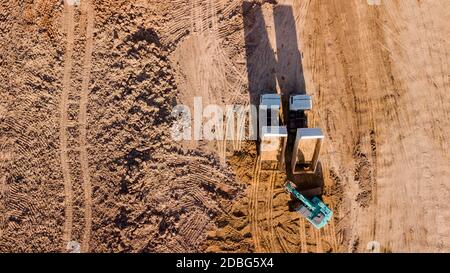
87	91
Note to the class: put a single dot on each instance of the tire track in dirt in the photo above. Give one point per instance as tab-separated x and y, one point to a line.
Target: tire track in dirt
263	212
264	240
318	237
196	16
241	120
303	243
254	204
332	230
63	123
88	11
329	235
4	158
272	234
281	240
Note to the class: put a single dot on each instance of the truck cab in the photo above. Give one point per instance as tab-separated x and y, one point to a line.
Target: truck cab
270	109
298	106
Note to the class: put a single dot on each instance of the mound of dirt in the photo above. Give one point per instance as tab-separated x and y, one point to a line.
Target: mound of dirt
86	147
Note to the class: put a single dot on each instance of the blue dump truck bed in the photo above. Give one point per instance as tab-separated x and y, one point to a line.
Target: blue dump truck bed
315	211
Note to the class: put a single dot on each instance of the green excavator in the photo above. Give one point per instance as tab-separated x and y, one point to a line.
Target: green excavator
315	211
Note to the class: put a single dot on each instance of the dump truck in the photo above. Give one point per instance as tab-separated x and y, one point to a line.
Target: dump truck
314	210
272	134
307	146
308	141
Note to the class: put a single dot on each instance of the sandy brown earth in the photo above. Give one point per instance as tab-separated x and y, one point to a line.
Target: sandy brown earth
86	154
